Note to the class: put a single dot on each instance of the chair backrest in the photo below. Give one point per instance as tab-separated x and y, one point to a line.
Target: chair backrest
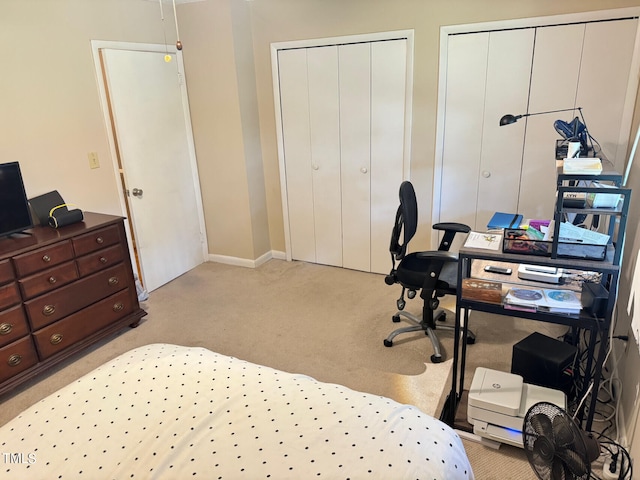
406	221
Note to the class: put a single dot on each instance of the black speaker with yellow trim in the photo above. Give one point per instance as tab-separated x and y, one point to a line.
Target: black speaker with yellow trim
60	215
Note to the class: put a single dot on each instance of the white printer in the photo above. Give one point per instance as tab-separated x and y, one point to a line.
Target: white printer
498	402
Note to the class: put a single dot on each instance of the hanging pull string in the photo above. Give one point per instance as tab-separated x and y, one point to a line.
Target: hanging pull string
175	17
167	57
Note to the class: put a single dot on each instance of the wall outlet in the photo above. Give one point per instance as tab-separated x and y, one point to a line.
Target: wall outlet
93	160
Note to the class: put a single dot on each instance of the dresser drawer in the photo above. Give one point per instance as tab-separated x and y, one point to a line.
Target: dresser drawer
66	332
17	357
93	241
13	325
6	271
46	257
99	260
9	295
48	280
64	301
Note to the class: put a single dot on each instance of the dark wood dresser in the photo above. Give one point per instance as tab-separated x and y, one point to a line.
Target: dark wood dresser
61	291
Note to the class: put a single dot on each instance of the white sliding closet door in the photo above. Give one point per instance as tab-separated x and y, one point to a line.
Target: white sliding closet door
604	74
467	56
324	121
482	162
554	82
355	135
488	168
388	83
502	148
578	75
294	105
343	134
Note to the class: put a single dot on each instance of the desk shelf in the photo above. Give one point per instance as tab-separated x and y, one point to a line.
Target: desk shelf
608	270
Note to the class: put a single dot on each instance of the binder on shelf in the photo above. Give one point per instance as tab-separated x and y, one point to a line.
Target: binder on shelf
504	220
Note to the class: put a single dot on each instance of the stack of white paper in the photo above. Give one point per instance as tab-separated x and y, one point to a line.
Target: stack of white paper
582	166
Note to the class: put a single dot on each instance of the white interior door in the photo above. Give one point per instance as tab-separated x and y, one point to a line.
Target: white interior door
153	137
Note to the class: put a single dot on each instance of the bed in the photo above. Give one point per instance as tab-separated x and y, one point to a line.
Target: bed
168	411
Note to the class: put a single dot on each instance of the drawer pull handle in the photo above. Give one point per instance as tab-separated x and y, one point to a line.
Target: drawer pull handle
48	310
103	260
56	338
14	360
5	328
118	307
52	280
46	258
99	240
113	281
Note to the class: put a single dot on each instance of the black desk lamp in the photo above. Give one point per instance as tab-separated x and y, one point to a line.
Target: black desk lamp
571	131
508	119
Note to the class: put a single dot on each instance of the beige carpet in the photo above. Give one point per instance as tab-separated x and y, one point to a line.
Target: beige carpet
325	322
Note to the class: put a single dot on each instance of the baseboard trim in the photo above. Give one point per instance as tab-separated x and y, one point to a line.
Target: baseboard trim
245	262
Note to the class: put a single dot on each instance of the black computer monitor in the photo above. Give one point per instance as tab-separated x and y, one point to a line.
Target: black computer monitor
14	207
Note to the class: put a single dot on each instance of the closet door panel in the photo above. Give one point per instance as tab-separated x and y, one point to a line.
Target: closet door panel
294	105
554	80
388	94
464	114
355	152
499	178
604	75
324	119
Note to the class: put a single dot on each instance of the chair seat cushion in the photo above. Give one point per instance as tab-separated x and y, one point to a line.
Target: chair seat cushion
411	273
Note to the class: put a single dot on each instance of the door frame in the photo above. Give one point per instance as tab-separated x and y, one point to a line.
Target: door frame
96	47
446	31
342	40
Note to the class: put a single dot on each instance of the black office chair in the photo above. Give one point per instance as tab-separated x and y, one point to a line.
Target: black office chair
434	273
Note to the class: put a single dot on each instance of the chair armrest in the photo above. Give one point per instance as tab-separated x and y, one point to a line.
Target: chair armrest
452	227
438	256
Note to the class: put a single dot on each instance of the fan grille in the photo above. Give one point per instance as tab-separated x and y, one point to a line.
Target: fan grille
554	444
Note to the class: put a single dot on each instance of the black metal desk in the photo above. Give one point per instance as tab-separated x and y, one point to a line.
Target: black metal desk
599	327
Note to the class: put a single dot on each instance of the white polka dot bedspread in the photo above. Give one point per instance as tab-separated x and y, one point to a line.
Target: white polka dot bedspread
173	412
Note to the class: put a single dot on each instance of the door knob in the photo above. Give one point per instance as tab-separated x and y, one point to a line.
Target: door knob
364	170
137	192
485	174
315	166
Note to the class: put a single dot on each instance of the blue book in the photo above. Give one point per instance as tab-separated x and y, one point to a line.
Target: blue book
504	220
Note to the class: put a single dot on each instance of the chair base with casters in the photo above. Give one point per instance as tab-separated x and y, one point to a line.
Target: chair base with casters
417	325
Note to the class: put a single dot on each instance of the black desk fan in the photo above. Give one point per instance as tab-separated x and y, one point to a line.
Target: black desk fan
557	449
